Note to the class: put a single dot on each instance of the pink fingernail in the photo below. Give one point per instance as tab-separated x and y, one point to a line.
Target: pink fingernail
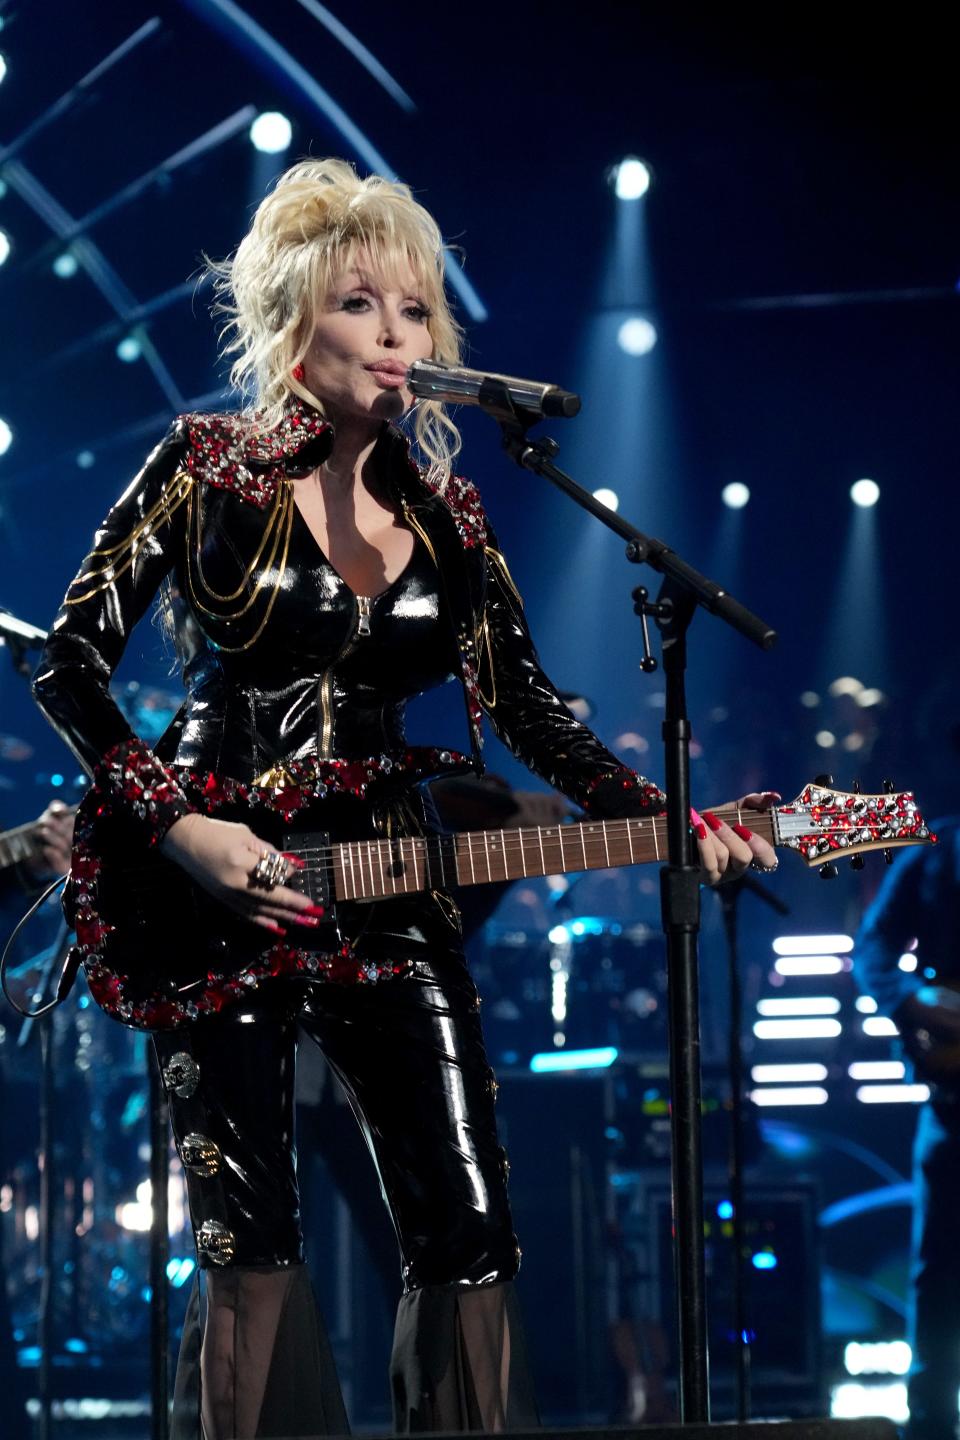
699	829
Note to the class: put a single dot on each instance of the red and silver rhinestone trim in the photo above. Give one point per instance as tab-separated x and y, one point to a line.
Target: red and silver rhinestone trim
221	448
130	773
640	790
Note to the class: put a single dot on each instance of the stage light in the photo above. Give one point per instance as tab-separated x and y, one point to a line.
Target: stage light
790	1095
876	1070
869	696
777	1074
574	1060
85	459
811	945
725	1210
637	336
6	437
5	246
809	699
129	350
853	1401
907	963
631	178
3	67
846	685
866	1004
865	493
877	1357
808	965
796	1029
879	1025
3	188
65	266
893	1094
735	495
798	1005
271	132
610	498
825	739
764	1260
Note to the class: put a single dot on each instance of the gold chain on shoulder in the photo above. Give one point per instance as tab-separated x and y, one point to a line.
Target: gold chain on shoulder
171	498
273	531
502	566
196	526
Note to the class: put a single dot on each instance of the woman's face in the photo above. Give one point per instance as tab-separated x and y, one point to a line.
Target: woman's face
366	335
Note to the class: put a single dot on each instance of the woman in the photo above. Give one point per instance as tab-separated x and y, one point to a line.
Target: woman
325	578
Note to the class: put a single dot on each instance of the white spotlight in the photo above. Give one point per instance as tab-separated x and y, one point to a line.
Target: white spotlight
65	266
85	459
735	495
129	349
6	437
271	132
609	498
637	336
865	492
4	245
825	739
3	67
631	178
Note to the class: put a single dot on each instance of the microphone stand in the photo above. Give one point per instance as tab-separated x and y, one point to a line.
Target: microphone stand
729	896
682	590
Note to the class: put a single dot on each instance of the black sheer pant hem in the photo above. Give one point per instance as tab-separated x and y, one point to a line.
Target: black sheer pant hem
255	1362
459	1361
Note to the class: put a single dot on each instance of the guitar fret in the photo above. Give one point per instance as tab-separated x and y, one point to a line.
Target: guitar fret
630	840
486	851
583	845
656	840
606	846
383	878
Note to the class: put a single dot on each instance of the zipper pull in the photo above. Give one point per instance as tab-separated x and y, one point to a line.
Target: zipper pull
364	605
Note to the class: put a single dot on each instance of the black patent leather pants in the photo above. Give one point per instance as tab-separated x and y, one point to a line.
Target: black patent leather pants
410	1054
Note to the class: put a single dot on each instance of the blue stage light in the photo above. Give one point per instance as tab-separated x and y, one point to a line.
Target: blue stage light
735	495
725	1210
85	459
65	266
764	1260
637	336
56	781
271	132
598	1059
6	437
865	492
129	350
631	178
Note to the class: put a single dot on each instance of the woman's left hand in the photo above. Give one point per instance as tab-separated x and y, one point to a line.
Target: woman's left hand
727	851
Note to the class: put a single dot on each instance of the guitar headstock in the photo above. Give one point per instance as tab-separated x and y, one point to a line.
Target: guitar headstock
824	824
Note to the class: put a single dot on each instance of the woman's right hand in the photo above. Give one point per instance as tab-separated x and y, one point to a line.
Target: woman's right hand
221	855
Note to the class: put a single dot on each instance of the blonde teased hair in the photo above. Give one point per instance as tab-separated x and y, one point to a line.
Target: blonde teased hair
304	233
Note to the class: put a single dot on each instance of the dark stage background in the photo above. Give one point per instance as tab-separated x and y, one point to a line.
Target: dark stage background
797	254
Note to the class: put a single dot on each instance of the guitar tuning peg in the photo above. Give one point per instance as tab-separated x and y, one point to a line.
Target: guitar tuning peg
888	857
888	787
828	871
857	862
855	787
824	780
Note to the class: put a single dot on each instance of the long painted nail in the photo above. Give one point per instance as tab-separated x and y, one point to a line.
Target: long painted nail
277	929
712	820
743	832
295	860
317	910
305	919
699	829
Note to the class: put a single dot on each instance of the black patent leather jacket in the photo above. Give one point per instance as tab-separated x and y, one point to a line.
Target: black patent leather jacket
272	624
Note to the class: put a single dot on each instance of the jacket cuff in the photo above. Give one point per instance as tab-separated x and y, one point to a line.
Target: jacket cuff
622	794
145	788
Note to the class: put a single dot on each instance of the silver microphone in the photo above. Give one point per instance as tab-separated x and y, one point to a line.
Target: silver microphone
456	385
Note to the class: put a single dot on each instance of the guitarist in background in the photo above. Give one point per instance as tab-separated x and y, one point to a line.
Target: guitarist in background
50	836
330	578
918	908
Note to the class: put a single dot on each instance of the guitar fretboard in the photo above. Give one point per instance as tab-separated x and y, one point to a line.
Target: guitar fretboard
17	845
372	869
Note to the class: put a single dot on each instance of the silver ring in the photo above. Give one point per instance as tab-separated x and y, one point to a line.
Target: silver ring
764	869
270	871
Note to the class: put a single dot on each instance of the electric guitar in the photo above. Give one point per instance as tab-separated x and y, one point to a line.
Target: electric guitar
158	950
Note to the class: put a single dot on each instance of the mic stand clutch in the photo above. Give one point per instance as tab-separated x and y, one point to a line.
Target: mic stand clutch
682	591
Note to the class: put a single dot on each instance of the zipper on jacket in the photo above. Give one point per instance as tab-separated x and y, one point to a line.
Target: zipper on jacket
325	686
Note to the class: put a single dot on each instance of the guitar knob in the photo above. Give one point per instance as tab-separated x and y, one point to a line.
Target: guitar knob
829	871
888	857
855	787
824	780
889	787
857	862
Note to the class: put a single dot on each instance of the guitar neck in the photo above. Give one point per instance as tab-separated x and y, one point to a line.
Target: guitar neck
372	869
18	844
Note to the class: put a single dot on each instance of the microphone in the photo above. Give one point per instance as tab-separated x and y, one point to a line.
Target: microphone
459	386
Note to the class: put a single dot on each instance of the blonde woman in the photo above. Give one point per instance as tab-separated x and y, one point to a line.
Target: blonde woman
326	566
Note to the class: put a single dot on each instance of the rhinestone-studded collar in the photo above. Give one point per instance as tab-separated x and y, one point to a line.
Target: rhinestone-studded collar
233	453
